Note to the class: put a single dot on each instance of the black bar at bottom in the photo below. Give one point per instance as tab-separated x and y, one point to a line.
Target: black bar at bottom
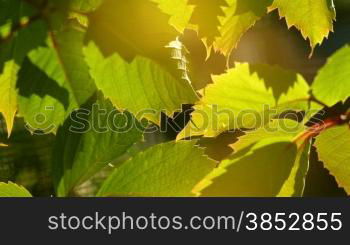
170	220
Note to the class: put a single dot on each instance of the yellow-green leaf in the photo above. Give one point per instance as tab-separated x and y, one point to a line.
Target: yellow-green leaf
259	171
333	147
314	18
165	170
239	16
13	190
142	87
247	96
178	10
332	83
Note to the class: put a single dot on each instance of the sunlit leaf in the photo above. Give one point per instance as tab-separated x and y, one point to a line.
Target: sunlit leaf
279	129
332	83
12	53
314	18
12	190
333	147
93	138
206	17
282	130
259	171
178	10
170	169
247	96
113	28
142	86
54	80
239	16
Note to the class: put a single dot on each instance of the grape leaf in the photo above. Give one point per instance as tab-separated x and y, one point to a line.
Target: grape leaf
239	16
54	80
179	12
13	190
142	86
92	138
335	72
246	96
333	147
314	18
169	169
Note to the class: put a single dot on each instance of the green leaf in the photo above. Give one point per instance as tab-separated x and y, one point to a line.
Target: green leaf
279	129
168	170
113	28
142	86
90	140
333	147
13	190
54	80
335	72
206	17
314	18
295	184
12	53
239	16
178	10
246	96
259	171
282	130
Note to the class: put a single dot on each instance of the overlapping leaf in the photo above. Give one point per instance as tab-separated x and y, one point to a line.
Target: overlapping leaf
94	137
239	16
142	86
333	147
332	83
314	18
12	190
246	97
12	52
282	130
206	16
259	171
54	80
170	169
178	10
131	28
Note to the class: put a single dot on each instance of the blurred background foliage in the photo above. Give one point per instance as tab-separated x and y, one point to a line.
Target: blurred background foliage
26	160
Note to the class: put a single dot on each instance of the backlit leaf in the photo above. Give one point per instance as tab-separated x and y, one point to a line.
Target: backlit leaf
54	80
93	138
142	86
332	83
13	190
12	53
239	16
113	28
247	96
178	10
314	18
259	171
333	147
165	170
